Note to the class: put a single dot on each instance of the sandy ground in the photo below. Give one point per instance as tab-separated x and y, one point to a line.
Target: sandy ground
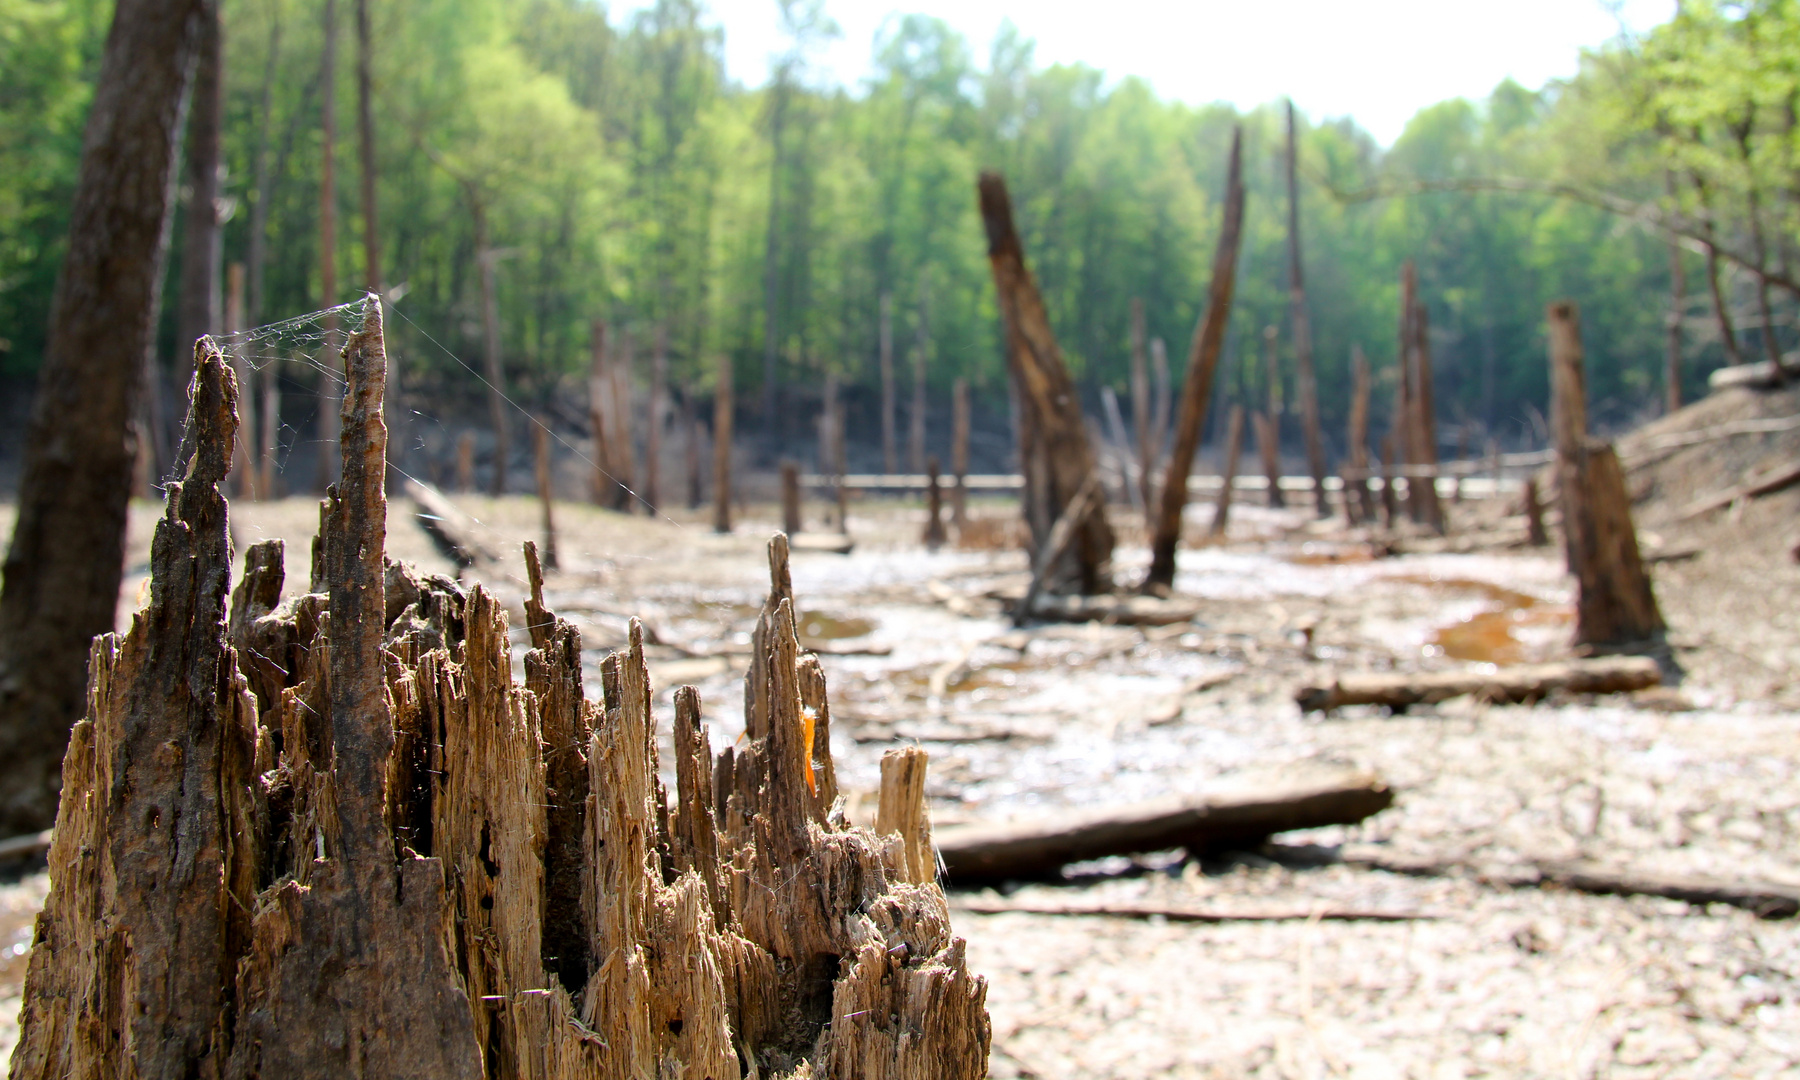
1470	978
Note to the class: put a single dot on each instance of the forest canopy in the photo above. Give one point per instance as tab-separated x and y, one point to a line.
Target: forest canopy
619	175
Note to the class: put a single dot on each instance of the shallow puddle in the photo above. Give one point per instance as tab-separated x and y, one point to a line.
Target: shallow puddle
1515	629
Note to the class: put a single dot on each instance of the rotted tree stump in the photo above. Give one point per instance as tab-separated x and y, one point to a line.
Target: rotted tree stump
331	837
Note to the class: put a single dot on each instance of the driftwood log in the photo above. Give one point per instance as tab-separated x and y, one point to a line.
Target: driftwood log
1507	685
372	853
455	534
1241	816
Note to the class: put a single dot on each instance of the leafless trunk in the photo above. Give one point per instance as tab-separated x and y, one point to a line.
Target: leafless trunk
245	461
1306	383
1162	403
624	450
605	487
889	460
1425	421
540	452
465	461
722	408
1361	508
1142	424
1203	357
791	521
653	430
1115	430
1234	444
202	236
365	140
1390	502
487	257
1057	459
1614	601
915	443
328	379
959	455
1268	425
691	447
1535	534
61	580
1677	310
934	506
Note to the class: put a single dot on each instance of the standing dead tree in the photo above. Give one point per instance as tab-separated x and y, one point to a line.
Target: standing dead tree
1306	381
546	487
1268	425
68	543
1057	459
343	841
1361	508
1614	603
1234	444
959	455
1203	358
1141	421
723	407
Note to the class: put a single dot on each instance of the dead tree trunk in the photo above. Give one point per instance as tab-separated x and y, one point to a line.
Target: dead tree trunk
790	498
540	452
1234	444
691	449
1390	501
959	455
1162	400
1425	420
1306	382
1203	357
1141	421
934	506
329	402
465	461
624	449
889	461
1057	459
245	457
61	580
1268	425
1535	535
1361	508
659	377
1614	602
201	250
397	861
600	418
915	441
722	409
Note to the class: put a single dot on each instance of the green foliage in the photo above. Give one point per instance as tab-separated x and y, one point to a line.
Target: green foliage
623	177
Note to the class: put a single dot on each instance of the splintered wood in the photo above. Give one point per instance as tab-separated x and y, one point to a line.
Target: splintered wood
332	837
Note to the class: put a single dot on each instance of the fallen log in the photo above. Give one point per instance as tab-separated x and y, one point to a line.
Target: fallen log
1183	914
455	534
1508	685
1243	815
1768	900
1766	484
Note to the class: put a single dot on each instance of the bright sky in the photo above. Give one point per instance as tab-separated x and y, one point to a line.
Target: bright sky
1378	61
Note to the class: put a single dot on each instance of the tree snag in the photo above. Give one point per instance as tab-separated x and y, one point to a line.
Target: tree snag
1361	508
1268	424
722	409
1615	605
1306	382
1054	452
68	544
372	853
934	506
959	455
1203	357
1234	445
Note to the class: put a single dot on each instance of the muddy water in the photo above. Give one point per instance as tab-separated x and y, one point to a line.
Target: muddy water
1513	628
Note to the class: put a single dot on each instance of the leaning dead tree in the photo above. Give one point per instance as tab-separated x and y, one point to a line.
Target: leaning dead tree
331	836
1203	358
1057	459
1614	604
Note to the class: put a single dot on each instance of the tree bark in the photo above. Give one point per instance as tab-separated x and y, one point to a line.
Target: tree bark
1306	383
722	409
890	461
1615	605
201	243
1361	508
959	455
1057	459
1234	444
1268	425
1203	358
61	581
